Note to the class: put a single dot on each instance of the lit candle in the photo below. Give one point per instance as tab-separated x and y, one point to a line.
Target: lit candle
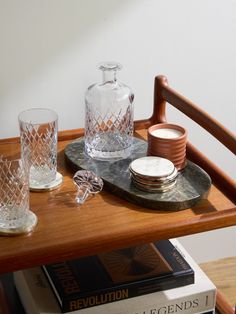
167	133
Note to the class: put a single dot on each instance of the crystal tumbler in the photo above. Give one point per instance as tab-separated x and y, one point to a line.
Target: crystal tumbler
15	216
38	134
109	116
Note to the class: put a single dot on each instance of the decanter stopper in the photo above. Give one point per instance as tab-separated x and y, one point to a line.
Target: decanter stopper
87	183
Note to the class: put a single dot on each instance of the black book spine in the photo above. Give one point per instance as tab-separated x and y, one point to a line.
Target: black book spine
127	291
182	275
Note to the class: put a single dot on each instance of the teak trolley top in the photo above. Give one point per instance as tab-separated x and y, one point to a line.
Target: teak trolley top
66	230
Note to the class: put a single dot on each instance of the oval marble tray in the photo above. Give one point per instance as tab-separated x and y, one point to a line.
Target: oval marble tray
193	183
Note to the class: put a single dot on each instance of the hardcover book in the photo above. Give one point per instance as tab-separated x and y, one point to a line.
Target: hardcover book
118	275
38	298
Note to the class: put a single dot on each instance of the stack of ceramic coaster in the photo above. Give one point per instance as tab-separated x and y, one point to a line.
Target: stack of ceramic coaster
153	174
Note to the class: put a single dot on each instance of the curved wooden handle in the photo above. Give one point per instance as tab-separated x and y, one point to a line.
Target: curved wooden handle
162	94
214	127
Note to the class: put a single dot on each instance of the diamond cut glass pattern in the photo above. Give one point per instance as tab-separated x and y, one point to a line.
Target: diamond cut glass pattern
109	117
14	193
39	145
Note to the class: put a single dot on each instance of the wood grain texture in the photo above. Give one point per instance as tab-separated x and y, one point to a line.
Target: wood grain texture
66	230
223	273
164	94
223	307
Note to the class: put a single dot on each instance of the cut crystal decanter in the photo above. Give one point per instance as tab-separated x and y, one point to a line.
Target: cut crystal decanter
109	117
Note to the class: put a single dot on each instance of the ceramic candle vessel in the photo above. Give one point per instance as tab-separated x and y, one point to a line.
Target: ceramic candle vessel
168	141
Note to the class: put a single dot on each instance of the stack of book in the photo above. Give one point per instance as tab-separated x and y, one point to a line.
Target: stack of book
155	278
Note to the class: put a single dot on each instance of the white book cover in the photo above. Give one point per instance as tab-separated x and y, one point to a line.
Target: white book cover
38	298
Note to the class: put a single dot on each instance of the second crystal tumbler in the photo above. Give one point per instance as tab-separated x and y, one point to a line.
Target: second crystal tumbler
38	133
109	117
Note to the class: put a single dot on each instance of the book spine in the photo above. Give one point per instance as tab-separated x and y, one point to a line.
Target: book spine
36	295
127	291
183	275
200	302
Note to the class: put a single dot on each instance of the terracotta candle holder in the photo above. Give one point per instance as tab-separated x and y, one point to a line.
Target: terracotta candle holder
168	141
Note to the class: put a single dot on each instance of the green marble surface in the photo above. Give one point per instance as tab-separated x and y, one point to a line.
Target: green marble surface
193	183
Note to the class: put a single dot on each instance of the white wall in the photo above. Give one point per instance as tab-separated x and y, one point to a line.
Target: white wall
50	50
212	245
